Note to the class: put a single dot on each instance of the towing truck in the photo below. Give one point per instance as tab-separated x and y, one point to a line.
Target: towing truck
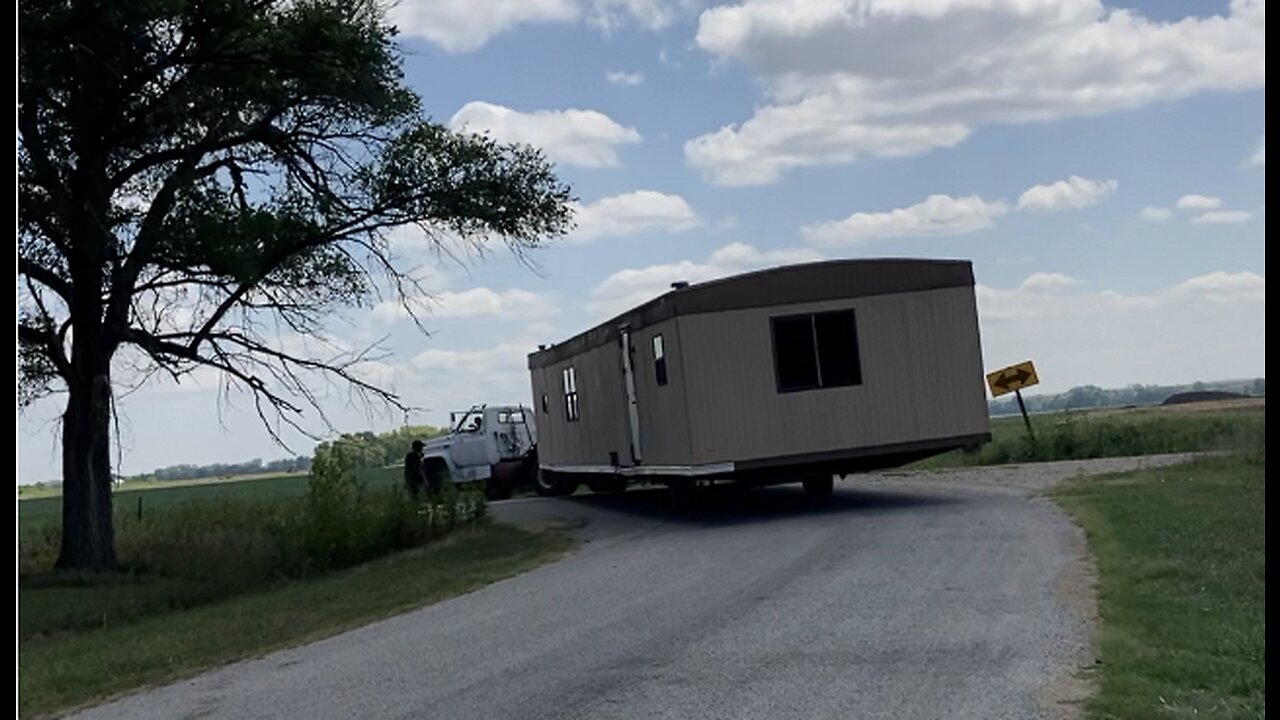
494	446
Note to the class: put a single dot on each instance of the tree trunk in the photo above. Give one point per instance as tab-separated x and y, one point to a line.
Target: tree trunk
88	531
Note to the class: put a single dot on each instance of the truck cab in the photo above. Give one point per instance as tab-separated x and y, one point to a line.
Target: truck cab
491	445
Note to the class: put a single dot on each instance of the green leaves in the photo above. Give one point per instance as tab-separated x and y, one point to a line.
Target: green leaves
246	155
210	181
472	184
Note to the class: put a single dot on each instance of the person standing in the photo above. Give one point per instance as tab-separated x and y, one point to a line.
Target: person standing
415	471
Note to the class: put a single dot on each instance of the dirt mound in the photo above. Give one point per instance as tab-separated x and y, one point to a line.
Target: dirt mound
1202	396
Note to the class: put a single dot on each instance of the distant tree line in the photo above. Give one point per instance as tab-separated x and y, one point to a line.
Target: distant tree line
363	449
1089	396
369	450
251	467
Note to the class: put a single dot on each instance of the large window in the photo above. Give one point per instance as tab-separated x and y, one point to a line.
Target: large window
659	360
570	378
816	351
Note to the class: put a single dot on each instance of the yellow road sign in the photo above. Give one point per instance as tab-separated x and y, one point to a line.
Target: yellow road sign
1014	377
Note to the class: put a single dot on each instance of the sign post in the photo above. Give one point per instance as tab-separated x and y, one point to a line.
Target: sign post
1013	379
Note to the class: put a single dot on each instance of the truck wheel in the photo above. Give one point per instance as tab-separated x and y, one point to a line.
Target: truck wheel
819	487
496	490
437	473
608	485
550	484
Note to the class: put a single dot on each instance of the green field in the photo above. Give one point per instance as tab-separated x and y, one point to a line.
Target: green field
1181	557
41	512
1114	433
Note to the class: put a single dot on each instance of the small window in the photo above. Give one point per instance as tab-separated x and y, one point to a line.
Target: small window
570	377
816	351
659	360
515	417
545	409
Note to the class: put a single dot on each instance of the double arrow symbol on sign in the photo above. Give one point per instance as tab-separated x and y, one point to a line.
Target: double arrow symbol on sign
1017	376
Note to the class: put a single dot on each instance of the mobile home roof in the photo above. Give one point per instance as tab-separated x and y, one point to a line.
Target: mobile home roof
786	285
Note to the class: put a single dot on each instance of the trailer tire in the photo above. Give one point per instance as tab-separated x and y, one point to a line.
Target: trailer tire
819	487
607	485
684	495
551	484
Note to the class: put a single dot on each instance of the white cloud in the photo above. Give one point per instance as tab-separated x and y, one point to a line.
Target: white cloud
1155	213
609	15
475	302
618	77
627	288
1223	287
459	26
1259	157
586	138
1208	327
936	215
1047	281
852	78
1198	202
1222	216
632	213
1074	192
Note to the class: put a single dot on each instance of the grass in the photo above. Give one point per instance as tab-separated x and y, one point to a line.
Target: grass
64	670
1110	433
41	511
1181	556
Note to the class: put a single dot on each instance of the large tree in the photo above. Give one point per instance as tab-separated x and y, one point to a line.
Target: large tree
201	182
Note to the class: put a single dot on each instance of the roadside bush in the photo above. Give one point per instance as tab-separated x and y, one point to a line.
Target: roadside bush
342	523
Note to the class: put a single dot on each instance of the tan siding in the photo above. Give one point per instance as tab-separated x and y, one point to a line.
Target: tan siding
922	378
664	426
549	430
602	428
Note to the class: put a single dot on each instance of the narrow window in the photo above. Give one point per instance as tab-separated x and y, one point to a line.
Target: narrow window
570	393
816	351
544	404
659	360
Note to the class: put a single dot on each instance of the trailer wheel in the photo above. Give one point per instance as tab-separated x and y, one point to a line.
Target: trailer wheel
607	485
819	487
684	494
551	484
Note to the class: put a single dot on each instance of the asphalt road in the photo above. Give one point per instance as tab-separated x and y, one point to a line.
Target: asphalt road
950	595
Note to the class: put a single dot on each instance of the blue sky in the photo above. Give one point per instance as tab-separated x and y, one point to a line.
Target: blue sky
1102	165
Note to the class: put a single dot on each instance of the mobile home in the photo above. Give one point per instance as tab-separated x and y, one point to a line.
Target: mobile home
789	374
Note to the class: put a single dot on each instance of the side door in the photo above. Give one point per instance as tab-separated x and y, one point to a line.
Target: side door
629	390
471	445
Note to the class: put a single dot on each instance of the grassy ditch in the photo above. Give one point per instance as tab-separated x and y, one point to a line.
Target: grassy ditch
70	668
207	581
1181	555
1085	435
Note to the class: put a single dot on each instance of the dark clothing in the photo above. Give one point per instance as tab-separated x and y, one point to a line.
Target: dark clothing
415	473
